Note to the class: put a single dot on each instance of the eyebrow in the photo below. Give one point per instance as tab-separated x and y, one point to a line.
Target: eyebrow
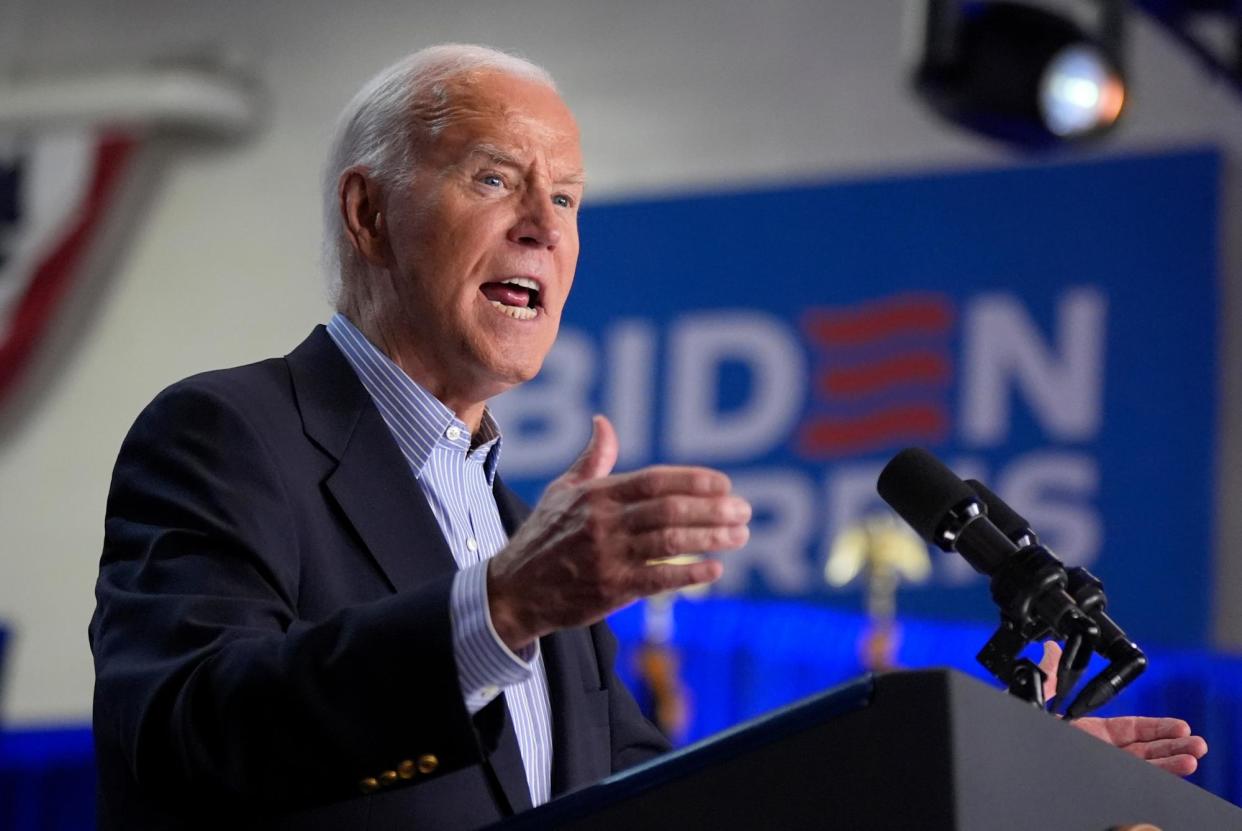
501	156
495	153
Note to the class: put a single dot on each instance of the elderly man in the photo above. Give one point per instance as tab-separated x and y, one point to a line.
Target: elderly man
315	601
318	605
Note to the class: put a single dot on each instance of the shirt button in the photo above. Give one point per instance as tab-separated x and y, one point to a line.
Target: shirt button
453	433
472	544
490	692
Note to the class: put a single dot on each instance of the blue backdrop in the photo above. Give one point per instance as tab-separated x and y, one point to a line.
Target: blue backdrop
1050	330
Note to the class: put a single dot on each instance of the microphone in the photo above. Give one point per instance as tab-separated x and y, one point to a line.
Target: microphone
1012	524
1027	583
1126	660
943	509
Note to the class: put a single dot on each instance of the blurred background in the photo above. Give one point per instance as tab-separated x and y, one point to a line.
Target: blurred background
814	233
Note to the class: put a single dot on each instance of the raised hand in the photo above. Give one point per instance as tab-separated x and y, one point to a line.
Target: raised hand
595	541
1167	743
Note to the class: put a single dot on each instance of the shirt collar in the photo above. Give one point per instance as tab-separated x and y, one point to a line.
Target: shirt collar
417	419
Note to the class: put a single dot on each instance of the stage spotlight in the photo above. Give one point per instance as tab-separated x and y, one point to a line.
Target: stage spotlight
1022	74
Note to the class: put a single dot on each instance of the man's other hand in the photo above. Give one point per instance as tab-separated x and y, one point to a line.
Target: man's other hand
597	542
1165	742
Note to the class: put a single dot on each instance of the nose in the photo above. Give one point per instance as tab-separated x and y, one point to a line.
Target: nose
537	225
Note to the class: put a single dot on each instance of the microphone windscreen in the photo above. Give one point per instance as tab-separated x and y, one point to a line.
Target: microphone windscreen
1010	522
922	490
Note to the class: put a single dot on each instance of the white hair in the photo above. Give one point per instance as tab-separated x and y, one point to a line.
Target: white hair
377	131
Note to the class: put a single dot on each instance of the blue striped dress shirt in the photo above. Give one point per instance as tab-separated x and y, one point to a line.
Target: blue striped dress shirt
457	480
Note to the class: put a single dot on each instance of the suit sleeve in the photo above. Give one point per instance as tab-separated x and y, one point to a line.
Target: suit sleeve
207	684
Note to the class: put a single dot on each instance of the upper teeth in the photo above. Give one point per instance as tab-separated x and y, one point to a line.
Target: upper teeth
524	282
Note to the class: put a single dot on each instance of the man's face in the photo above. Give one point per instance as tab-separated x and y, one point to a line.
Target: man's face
484	237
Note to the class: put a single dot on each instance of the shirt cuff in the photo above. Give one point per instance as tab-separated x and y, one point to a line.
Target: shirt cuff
484	664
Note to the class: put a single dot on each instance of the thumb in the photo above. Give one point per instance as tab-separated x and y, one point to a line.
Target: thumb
600	454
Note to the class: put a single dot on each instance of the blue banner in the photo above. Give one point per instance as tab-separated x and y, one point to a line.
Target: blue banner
1049	330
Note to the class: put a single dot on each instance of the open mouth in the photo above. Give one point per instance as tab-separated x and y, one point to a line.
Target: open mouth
517	297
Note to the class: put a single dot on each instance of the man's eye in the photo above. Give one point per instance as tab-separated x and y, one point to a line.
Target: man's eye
492	180
563	201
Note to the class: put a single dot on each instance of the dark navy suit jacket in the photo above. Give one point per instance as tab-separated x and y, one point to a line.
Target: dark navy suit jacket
272	625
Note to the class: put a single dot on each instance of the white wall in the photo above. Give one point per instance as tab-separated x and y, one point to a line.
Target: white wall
224	269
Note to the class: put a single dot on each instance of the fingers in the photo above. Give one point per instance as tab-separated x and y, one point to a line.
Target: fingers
664	480
600	454
654	579
1049	663
1178	765
1193	746
1165	742
1149	729
685	511
1126	730
663	543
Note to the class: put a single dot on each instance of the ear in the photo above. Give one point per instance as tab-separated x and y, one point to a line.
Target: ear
361	205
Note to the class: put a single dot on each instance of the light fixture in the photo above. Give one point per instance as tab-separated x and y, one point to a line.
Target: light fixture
1020	73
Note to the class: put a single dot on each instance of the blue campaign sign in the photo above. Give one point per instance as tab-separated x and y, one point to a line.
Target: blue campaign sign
1049	330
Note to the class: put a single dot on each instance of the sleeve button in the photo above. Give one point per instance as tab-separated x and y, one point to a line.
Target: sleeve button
388	777
369	785
427	763
406	769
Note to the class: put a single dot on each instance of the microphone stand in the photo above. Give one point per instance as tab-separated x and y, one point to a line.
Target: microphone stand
1126	660
1027	588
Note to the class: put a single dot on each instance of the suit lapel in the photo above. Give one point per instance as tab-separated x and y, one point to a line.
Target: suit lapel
513	511
504	757
580	736
372	483
376	490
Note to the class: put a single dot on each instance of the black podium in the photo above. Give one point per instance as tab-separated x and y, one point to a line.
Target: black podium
930	750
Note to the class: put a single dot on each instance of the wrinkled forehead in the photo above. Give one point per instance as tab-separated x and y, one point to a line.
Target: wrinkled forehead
498	109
